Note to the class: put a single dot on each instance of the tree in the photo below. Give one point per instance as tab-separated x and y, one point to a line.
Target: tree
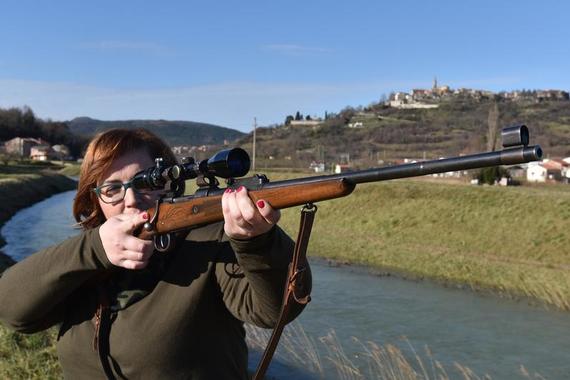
298	116
493	127
491	175
288	119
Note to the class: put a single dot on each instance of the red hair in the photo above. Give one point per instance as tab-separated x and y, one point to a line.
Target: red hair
101	152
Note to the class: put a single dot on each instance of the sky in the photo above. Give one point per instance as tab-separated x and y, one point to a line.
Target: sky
228	62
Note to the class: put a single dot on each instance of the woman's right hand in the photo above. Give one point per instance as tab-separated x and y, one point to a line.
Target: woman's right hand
121	247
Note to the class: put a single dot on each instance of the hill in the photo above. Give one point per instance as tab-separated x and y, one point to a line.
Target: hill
173	132
385	133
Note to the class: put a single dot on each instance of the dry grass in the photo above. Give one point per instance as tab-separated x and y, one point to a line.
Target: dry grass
28	356
372	361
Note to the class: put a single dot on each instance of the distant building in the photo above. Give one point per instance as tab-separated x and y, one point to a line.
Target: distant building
21	146
536	173
342	168
565	174
62	152
549	170
418	97
42	153
317	167
552	95
305	123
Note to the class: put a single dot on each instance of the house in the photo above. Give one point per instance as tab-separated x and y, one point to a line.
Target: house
342	168
61	152
21	146
306	123
552	95
536	172
42	153
566	170
549	170
565	174
555	167
317	167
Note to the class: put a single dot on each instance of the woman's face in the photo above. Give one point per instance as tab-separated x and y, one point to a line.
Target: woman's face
123	170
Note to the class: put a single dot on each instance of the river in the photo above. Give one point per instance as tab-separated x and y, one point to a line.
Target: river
484	333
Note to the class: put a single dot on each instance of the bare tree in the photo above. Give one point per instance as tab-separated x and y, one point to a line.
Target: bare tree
493	124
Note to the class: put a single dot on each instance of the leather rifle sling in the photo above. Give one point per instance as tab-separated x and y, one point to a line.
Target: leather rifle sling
295	290
102	331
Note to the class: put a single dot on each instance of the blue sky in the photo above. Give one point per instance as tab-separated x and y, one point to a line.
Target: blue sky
226	62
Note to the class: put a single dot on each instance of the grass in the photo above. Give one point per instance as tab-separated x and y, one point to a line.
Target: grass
28	356
512	241
369	360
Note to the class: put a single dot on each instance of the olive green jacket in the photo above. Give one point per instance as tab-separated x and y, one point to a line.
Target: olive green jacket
185	323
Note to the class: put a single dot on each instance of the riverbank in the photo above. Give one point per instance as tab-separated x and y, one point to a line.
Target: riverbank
22	190
508	241
22	356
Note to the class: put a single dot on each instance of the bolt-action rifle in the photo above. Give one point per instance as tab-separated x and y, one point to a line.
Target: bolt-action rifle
175	212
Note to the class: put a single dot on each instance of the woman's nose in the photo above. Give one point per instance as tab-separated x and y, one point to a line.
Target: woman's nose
131	199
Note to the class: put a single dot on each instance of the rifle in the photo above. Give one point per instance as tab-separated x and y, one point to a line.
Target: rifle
176	212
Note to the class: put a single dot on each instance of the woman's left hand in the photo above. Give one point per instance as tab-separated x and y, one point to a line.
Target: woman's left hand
243	219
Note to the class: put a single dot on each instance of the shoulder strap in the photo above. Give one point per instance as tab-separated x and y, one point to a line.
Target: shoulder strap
102	329
295	289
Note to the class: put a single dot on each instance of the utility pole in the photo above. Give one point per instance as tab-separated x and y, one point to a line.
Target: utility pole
254	132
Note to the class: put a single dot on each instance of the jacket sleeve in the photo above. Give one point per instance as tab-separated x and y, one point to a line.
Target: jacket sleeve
256	297
33	291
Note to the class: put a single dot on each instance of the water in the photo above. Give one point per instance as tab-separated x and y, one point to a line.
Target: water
489	335
39	226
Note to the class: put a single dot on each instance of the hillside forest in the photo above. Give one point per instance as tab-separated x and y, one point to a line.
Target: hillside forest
387	134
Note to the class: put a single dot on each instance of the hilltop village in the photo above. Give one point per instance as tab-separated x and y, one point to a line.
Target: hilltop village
430	98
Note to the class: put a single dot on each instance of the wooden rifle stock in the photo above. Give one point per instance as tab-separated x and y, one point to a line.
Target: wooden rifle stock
196	211
176	214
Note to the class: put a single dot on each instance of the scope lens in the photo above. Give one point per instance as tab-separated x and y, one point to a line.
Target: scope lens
238	162
228	163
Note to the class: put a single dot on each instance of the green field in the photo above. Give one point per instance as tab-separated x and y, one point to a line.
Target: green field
513	241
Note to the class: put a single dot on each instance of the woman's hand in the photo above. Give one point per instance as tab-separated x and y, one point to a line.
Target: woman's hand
122	248
243	219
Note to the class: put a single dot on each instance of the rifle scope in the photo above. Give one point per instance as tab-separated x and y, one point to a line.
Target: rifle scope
230	163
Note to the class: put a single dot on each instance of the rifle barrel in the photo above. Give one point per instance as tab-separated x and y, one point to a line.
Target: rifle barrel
511	156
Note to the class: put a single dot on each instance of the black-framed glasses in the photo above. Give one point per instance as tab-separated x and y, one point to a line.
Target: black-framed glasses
113	192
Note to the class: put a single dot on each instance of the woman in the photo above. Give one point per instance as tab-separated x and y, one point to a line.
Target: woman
125	311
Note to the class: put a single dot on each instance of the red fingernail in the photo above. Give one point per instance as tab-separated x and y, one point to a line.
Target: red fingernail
145	215
260	204
228	190
240	188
